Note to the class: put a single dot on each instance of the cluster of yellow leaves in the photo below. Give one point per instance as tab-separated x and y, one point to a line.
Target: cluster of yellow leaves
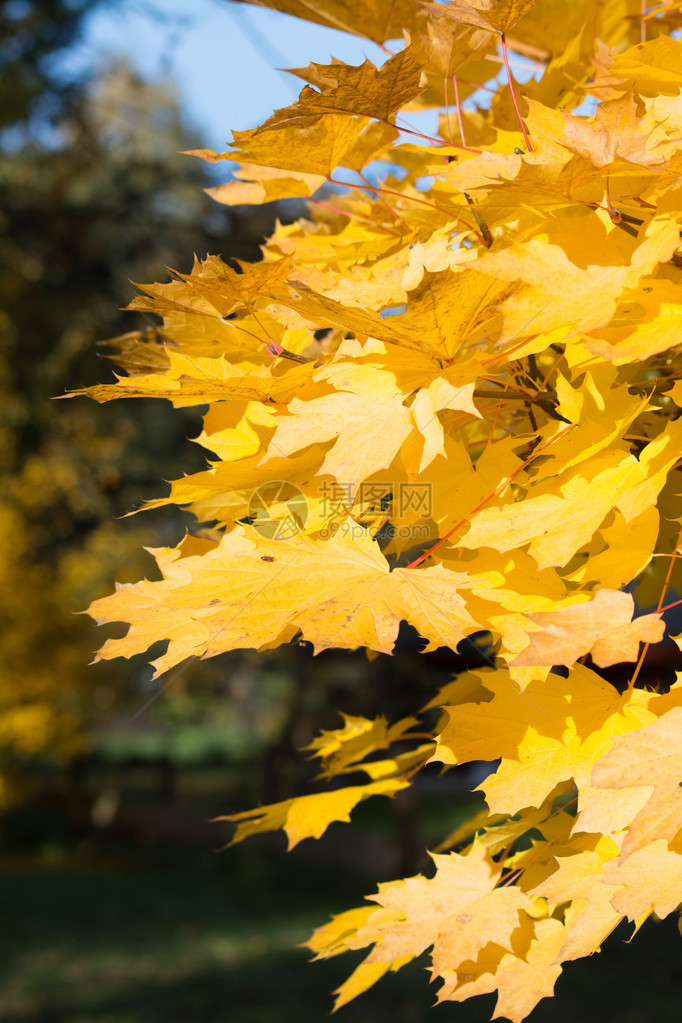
452	399
583	830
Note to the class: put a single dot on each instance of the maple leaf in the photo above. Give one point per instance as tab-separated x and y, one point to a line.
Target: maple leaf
649	879
497	14
458	911
602	627
195	381
344	748
625	339
557	516
477	349
522	978
325	311
348	418
560	515
309	816
364	90
552	731
215	279
448	309
317	141
377	20
576	872
329	939
613	134
651	67
247	591
649	757
255	185
561	292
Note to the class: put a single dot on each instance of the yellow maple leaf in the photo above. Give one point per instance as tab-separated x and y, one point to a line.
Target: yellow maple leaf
348	419
547	734
255	185
329	939
309	816
561	292
318	142
364	90
458	911
626	338
493	333
522	978
649	757
197	380
497	14
614	133
342	749
376	20
649	879
651	67
602	626
249	591
576	873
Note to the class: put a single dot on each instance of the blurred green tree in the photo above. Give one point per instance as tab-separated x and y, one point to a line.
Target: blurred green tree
102	196
32	33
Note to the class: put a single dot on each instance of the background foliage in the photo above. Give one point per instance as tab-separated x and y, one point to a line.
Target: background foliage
85	212
449	400
95	193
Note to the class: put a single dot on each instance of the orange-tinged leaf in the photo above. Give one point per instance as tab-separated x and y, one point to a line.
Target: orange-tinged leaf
497	14
650	879
364	90
602	627
650	756
317	142
614	133
376	19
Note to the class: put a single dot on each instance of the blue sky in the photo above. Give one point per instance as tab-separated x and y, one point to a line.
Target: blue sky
222	57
